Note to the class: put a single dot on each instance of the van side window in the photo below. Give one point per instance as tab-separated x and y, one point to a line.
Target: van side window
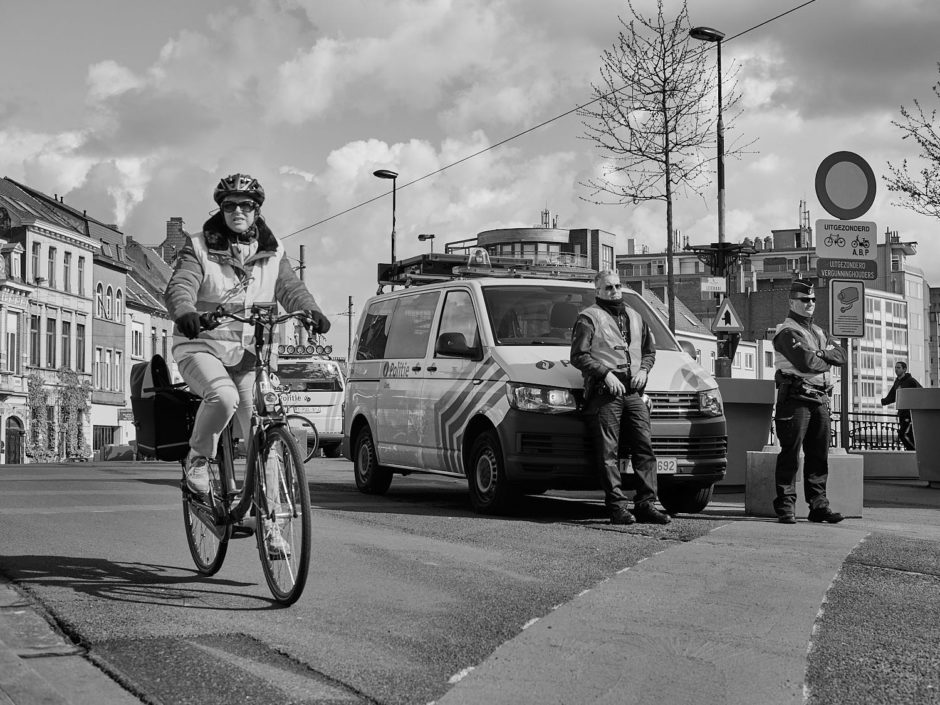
411	326
374	334
458	317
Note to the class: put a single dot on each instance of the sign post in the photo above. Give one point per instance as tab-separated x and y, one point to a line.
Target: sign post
846	249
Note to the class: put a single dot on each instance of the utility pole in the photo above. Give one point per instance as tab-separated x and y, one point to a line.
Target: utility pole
349	316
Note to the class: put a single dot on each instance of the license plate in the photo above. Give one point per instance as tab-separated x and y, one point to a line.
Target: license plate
305	409
664	466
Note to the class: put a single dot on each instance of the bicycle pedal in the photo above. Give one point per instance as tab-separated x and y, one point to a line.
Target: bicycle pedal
239	531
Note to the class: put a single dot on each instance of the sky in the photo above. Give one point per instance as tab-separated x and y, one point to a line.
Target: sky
133	110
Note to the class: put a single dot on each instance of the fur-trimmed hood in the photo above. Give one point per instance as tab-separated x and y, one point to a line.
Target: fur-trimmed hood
218	235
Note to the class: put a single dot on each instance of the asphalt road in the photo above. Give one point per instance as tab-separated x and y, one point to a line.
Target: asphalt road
407	591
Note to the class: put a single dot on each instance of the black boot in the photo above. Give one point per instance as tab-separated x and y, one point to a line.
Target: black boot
825	514
648	514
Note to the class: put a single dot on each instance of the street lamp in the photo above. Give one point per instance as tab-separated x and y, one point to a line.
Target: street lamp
393	175
707	34
429	237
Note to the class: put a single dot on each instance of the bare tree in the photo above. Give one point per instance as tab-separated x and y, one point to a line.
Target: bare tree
919	193
654	118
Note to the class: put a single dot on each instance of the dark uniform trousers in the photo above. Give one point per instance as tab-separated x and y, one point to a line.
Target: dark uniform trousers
611	419
803	425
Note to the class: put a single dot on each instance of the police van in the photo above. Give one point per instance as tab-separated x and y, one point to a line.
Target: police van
465	372
315	385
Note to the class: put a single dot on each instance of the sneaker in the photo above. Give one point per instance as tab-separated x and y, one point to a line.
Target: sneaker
197	474
825	514
274	541
621	515
648	514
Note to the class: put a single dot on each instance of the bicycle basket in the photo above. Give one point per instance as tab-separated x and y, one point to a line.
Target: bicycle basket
163	414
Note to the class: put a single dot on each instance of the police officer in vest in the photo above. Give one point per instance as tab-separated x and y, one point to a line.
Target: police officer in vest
613	348
804	354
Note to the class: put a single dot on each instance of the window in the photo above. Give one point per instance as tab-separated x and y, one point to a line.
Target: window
748	361
458	319
34	272
106	371
411	326
50	342
67	271
109	305
711	356
81	276
374	335
80	347
118	370
67	344
51	268
166	352
768	359
137	341
34	342
13	347
119	306
607	257
99	301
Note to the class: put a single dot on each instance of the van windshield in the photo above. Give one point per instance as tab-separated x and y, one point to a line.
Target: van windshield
310	375
545	314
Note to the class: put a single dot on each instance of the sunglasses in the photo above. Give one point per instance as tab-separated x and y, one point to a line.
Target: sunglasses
806	299
244	206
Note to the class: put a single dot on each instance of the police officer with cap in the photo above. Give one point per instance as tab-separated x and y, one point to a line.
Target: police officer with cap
804	355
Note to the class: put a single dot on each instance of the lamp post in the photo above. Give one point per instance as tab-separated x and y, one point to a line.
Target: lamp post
393	175
429	237
707	34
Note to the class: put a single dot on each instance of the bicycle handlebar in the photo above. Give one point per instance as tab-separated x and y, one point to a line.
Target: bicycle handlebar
211	319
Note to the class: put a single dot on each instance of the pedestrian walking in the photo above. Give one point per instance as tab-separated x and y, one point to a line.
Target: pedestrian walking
804	355
612	346
903	380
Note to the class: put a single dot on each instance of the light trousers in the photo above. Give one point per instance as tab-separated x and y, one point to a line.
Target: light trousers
225	392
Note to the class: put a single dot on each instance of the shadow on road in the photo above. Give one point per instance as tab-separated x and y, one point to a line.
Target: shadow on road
143	583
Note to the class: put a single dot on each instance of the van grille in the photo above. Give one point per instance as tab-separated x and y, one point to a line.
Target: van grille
668	405
543	444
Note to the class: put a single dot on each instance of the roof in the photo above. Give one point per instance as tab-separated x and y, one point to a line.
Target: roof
138	294
23	206
111	239
149	268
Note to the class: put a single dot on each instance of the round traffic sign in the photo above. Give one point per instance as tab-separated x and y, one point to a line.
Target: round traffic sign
845	185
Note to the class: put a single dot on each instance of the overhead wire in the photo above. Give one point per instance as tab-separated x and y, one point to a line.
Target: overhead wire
524	132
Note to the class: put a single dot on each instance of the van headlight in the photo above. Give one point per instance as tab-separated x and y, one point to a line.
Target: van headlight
547	400
709	402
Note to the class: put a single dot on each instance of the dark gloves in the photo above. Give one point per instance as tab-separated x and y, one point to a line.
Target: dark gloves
189	324
317	322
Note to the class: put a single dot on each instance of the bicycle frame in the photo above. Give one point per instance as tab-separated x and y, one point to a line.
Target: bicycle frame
217	515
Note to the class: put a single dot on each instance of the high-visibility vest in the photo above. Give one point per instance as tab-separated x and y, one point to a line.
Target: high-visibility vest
609	346
227	282
814	339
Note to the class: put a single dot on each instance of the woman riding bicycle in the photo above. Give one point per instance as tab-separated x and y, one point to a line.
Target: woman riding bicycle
236	261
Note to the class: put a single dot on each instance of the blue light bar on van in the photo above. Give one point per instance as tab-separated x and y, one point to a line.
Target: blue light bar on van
320	351
545	400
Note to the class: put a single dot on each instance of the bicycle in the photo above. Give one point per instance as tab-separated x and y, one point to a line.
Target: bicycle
836	240
298	422
274	490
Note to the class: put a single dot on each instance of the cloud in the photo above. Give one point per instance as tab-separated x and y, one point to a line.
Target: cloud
108	78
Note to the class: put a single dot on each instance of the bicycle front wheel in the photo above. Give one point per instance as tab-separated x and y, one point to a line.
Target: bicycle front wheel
283	499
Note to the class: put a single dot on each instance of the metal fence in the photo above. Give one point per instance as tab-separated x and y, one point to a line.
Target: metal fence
868	430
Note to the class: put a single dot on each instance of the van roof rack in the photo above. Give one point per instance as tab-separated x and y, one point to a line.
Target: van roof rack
434	267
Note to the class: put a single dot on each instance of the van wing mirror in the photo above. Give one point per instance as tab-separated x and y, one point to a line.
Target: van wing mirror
454	345
689	348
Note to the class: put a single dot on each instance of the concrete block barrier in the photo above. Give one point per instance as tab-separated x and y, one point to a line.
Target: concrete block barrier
845	487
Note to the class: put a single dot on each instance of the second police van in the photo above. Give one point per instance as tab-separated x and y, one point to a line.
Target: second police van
465	372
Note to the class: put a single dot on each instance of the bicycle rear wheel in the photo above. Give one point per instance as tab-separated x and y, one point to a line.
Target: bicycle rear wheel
208	541
283	499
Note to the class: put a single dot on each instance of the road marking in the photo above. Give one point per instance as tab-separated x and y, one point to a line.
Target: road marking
91	509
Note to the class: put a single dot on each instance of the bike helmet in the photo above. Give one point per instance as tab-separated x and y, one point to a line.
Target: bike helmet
239	184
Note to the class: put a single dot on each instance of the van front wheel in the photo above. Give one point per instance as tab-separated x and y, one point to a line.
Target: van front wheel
490	492
371	478
688	500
